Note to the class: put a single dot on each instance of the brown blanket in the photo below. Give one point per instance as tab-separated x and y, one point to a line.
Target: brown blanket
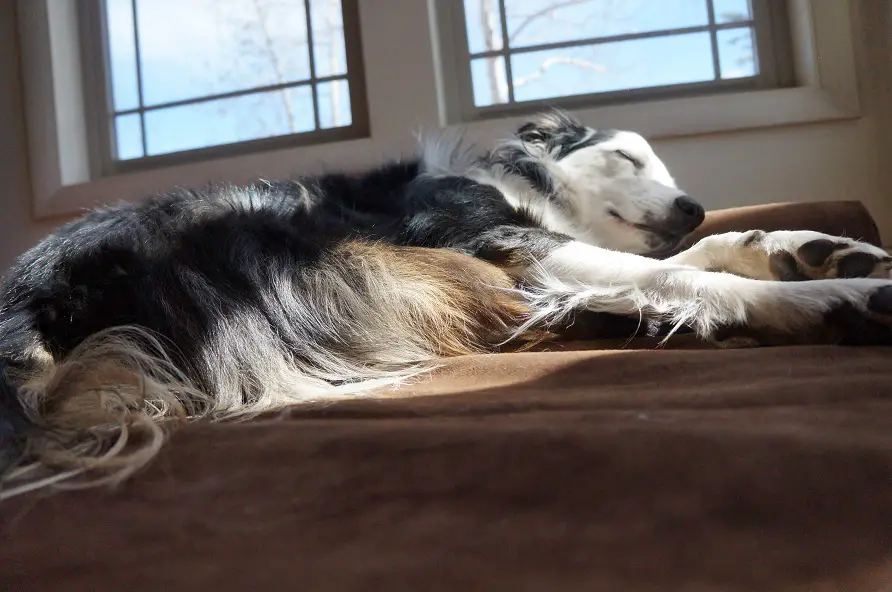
594	469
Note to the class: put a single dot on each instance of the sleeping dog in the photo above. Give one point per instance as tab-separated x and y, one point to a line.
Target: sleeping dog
231	301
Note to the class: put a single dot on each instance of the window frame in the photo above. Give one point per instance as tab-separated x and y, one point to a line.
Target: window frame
100	112
768	20
407	88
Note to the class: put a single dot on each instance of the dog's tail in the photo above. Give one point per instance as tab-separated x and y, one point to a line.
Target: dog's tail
101	412
93	418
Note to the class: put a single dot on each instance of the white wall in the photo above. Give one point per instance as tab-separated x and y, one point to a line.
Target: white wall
883	55
18	230
819	162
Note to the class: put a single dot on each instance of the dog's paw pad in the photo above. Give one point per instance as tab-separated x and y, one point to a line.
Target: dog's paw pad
857	265
880	302
826	258
815	252
860	261
786	268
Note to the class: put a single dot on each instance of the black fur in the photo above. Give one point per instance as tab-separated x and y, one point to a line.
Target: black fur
177	263
561	135
556	134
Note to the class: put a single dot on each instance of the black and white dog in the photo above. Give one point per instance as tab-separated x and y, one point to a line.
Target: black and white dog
238	300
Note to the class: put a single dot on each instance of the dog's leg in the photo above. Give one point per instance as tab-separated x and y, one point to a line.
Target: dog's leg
787	255
716	305
561	275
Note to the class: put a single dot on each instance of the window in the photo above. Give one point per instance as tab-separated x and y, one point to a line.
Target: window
526	53
212	76
412	70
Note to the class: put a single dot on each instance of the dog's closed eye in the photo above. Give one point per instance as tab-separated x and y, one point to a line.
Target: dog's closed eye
629	157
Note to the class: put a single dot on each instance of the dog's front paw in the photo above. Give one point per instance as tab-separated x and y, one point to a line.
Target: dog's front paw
848	311
804	255
870	324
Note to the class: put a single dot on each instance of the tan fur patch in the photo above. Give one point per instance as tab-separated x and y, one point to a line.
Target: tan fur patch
456	303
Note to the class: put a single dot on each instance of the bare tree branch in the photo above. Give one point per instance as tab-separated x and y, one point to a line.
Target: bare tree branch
331	16
547	64
497	85
531	18
274	60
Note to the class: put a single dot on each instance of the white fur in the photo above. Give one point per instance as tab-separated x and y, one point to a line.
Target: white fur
578	276
748	253
600	184
604	196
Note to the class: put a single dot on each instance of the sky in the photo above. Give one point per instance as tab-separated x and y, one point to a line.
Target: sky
221	46
606	67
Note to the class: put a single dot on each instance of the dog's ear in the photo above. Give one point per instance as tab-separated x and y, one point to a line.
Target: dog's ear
530	133
549	128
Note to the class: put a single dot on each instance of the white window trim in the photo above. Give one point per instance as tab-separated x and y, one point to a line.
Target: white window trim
405	86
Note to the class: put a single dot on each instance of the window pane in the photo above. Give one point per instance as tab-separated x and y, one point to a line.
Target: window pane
490	81
328	38
533	22
731	11
607	67
334	104
225	121
128	136
195	48
736	56
484	25
122	54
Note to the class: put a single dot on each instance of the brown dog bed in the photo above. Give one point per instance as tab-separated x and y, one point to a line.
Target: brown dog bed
579	468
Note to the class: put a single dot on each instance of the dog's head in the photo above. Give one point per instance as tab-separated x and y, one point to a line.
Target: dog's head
607	188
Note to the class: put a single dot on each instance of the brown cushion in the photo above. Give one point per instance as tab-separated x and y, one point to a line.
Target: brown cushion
839	218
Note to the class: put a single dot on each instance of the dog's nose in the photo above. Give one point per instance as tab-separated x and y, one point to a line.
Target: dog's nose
689	213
